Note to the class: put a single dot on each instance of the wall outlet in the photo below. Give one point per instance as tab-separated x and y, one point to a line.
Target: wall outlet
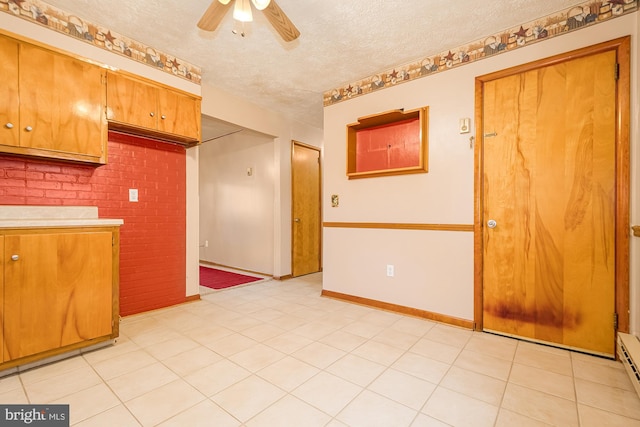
133	194
390	270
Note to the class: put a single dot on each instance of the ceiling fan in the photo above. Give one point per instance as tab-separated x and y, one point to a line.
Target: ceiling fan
242	12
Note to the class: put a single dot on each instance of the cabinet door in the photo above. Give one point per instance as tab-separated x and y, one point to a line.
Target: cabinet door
57	292
179	114
2	346
61	102
9	119
131	101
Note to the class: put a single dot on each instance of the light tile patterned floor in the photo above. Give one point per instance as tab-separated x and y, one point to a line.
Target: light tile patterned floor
277	354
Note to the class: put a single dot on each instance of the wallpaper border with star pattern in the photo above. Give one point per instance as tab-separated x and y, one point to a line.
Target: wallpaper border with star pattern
48	16
580	16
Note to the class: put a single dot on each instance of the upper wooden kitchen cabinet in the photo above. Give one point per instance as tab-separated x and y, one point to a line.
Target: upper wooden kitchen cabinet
50	104
143	107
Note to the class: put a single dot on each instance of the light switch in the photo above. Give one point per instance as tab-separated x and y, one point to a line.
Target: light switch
465	125
133	194
335	201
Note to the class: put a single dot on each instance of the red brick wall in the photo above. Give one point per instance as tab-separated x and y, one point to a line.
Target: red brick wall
152	239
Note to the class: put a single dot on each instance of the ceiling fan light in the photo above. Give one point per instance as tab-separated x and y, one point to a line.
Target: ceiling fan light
242	11
261	4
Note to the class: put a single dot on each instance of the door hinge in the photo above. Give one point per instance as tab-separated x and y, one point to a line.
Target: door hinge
615	321
617	71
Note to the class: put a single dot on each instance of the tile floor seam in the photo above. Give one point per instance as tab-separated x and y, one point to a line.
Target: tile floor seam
424	405
575	389
603	409
506	384
122	403
24	388
311	404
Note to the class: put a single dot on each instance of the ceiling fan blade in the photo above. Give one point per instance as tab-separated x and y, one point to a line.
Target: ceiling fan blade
281	22
213	15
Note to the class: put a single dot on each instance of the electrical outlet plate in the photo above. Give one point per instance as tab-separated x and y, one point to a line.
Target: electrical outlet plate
133	194
390	270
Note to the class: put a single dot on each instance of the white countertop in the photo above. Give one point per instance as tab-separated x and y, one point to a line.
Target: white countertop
53	216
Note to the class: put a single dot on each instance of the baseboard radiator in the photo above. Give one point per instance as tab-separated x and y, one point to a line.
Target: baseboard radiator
629	354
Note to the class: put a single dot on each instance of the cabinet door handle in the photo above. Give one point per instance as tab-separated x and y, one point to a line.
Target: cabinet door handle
15	257
152	114
9	125
28	128
163	117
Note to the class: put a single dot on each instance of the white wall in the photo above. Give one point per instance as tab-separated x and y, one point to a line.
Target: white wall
433	269
237	209
192	286
224	106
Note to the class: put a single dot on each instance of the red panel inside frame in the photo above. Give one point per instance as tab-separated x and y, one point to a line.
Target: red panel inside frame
392	146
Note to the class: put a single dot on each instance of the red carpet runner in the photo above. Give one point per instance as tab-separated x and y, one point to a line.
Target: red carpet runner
219	279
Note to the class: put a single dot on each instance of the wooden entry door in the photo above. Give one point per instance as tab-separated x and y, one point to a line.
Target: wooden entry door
549	203
306	237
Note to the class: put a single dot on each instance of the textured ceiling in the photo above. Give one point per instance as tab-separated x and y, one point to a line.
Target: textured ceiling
341	40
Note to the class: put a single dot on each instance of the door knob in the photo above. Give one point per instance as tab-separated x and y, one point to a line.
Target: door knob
296	219
152	114
9	125
491	223
15	257
28	128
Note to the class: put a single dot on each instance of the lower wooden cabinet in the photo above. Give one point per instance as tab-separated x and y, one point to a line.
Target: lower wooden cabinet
60	291
2	346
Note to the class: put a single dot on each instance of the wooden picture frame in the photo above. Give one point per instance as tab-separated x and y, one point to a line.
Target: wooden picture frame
391	143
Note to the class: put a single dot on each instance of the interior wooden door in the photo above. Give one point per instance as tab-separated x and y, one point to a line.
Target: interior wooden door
306	237
549	198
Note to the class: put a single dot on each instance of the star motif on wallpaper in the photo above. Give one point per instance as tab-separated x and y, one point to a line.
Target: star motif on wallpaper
522	32
349	89
449	57
109	37
174	63
394	74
